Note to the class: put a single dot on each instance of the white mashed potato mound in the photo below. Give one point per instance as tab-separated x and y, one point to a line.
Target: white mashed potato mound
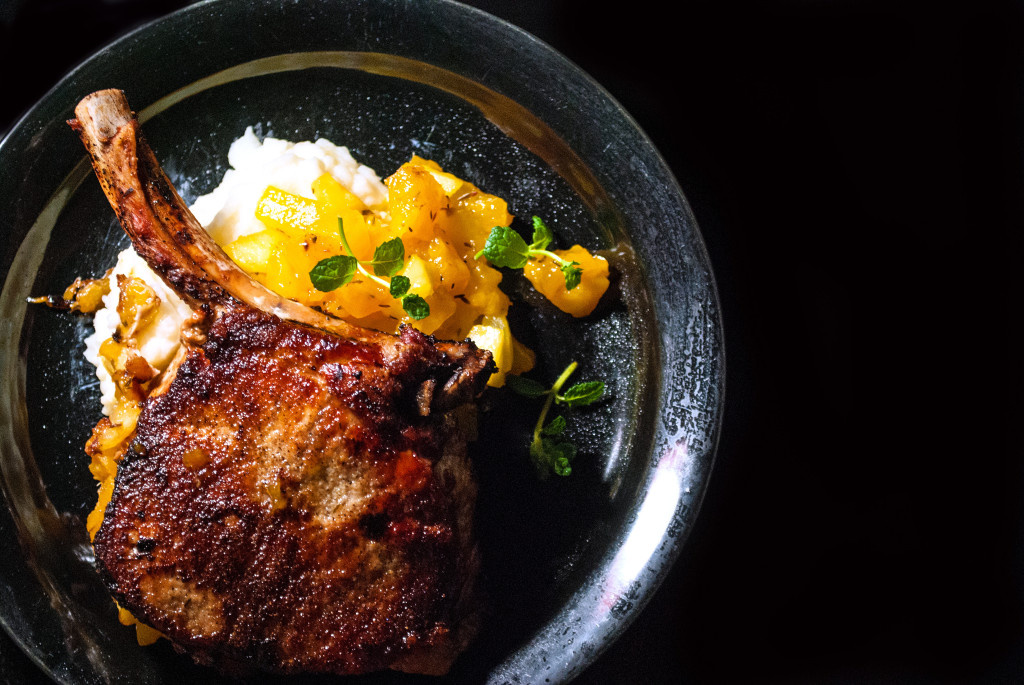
228	213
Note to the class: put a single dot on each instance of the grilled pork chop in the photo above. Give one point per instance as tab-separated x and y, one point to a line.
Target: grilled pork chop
297	496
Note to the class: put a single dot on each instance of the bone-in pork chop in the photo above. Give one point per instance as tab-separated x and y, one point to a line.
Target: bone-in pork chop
297	496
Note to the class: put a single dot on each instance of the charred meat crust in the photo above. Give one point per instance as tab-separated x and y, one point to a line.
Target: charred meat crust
337	550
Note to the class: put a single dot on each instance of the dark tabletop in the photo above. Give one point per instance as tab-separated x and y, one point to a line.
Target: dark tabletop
856	170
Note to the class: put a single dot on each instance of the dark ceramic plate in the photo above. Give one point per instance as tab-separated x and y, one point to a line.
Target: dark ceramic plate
568	562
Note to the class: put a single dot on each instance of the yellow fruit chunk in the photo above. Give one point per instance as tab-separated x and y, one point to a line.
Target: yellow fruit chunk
452	272
493	334
357	233
523	358
143	633
487	210
86	295
288	270
421	281
95	517
293	214
137	304
112	436
329	192
362	297
252	252
415	200
450	183
483	292
550	281
441	308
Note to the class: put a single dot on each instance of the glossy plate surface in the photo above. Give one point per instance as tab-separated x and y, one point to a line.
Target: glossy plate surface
567	562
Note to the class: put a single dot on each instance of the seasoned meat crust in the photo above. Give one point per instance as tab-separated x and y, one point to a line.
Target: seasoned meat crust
283	499
297	497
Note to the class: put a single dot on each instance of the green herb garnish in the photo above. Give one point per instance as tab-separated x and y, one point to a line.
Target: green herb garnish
551	453
506	248
388	259
333	272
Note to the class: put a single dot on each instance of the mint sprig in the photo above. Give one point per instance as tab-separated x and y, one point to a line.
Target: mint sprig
388	259
506	248
548	450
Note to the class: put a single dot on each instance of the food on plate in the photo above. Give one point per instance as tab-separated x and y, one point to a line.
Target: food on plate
85	295
407	259
294	493
315	240
549	450
573	280
547	275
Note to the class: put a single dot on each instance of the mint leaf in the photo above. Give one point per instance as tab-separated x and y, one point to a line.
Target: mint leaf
573	273
388	258
416	307
582	394
542	235
399	286
552	456
506	248
332	273
549	452
556	427
561	454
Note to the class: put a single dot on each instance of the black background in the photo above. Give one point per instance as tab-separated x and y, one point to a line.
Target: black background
856	170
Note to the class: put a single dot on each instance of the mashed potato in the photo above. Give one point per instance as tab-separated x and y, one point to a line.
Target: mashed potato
227	213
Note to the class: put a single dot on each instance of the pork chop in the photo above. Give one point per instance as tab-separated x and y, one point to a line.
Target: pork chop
297	496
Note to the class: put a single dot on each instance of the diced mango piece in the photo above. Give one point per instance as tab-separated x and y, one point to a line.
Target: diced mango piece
483	292
288	270
452	272
492	333
146	635
487	210
450	183
415	200
441	308
471	219
357	233
293	214
335	196
523	358
362	297
137	304
550	281
111	436
86	295
252	252
421	281
95	518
